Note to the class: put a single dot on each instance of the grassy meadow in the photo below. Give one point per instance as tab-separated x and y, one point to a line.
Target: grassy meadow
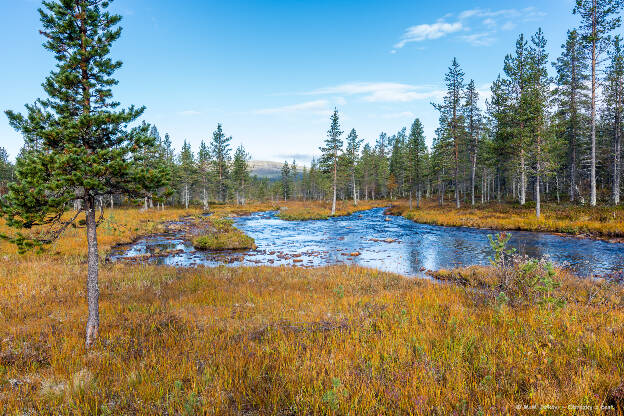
281	340
598	222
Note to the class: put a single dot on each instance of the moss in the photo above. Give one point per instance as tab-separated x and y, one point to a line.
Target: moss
222	235
228	240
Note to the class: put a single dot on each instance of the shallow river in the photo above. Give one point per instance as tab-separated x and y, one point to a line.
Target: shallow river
372	239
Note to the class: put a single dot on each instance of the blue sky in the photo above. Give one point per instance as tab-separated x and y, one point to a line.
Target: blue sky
272	71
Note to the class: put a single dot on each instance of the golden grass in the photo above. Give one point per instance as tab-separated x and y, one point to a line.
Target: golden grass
336	340
601	222
315	210
333	340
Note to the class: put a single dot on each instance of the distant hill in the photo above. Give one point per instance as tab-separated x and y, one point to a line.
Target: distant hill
265	168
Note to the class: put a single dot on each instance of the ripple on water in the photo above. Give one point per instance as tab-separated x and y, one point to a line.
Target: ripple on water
397	245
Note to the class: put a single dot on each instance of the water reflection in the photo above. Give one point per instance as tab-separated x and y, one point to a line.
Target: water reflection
371	239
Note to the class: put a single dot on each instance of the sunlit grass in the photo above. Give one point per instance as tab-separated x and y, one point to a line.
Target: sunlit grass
339	340
283	340
607	222
315	210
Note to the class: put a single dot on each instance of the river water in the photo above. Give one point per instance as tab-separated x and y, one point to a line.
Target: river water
372	239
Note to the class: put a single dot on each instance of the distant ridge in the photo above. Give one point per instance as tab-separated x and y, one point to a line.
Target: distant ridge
265	168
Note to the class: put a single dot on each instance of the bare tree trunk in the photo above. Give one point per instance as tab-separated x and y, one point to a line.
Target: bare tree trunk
418	196
593	109
355	202
522	179
333	212
617	170
93	291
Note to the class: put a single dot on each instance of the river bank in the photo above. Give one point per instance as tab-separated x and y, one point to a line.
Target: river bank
604	223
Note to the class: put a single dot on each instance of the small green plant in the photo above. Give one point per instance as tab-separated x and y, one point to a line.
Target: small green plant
334	395
501	257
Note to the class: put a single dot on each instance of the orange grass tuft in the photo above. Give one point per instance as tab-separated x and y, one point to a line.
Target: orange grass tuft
333	340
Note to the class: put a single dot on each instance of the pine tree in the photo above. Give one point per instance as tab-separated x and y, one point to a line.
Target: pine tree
220	151
240	173
352	154
187	173
397	164
598	19
451	115
366	167
381	167
286	185
331	151
538	91
80	148
572	100
473	119
416	159
203	170
294	172
6	171
516	69
614	99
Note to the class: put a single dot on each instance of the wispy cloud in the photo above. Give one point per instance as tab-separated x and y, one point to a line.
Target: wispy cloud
485	24
480	39
313	107
423	32
382	91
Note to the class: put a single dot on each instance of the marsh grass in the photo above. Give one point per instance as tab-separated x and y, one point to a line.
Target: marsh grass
335	340
601	222
315	210
282	340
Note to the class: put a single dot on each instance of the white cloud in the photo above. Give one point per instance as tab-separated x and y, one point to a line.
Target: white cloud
314	107
480	39
484	22
423	32
382	91
508	26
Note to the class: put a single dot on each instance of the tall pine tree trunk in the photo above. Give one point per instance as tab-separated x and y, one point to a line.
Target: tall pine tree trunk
333	212
472	177
93	291
523	179
355	202
617	157
593	110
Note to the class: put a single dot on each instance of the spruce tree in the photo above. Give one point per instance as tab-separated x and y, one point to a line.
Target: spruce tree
416	157
537	97
614	100
220	151
598	19
6	171
286	185
187	173
79	148
473	119
572	101
451	115
240	173
331	151
203	170
352	155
